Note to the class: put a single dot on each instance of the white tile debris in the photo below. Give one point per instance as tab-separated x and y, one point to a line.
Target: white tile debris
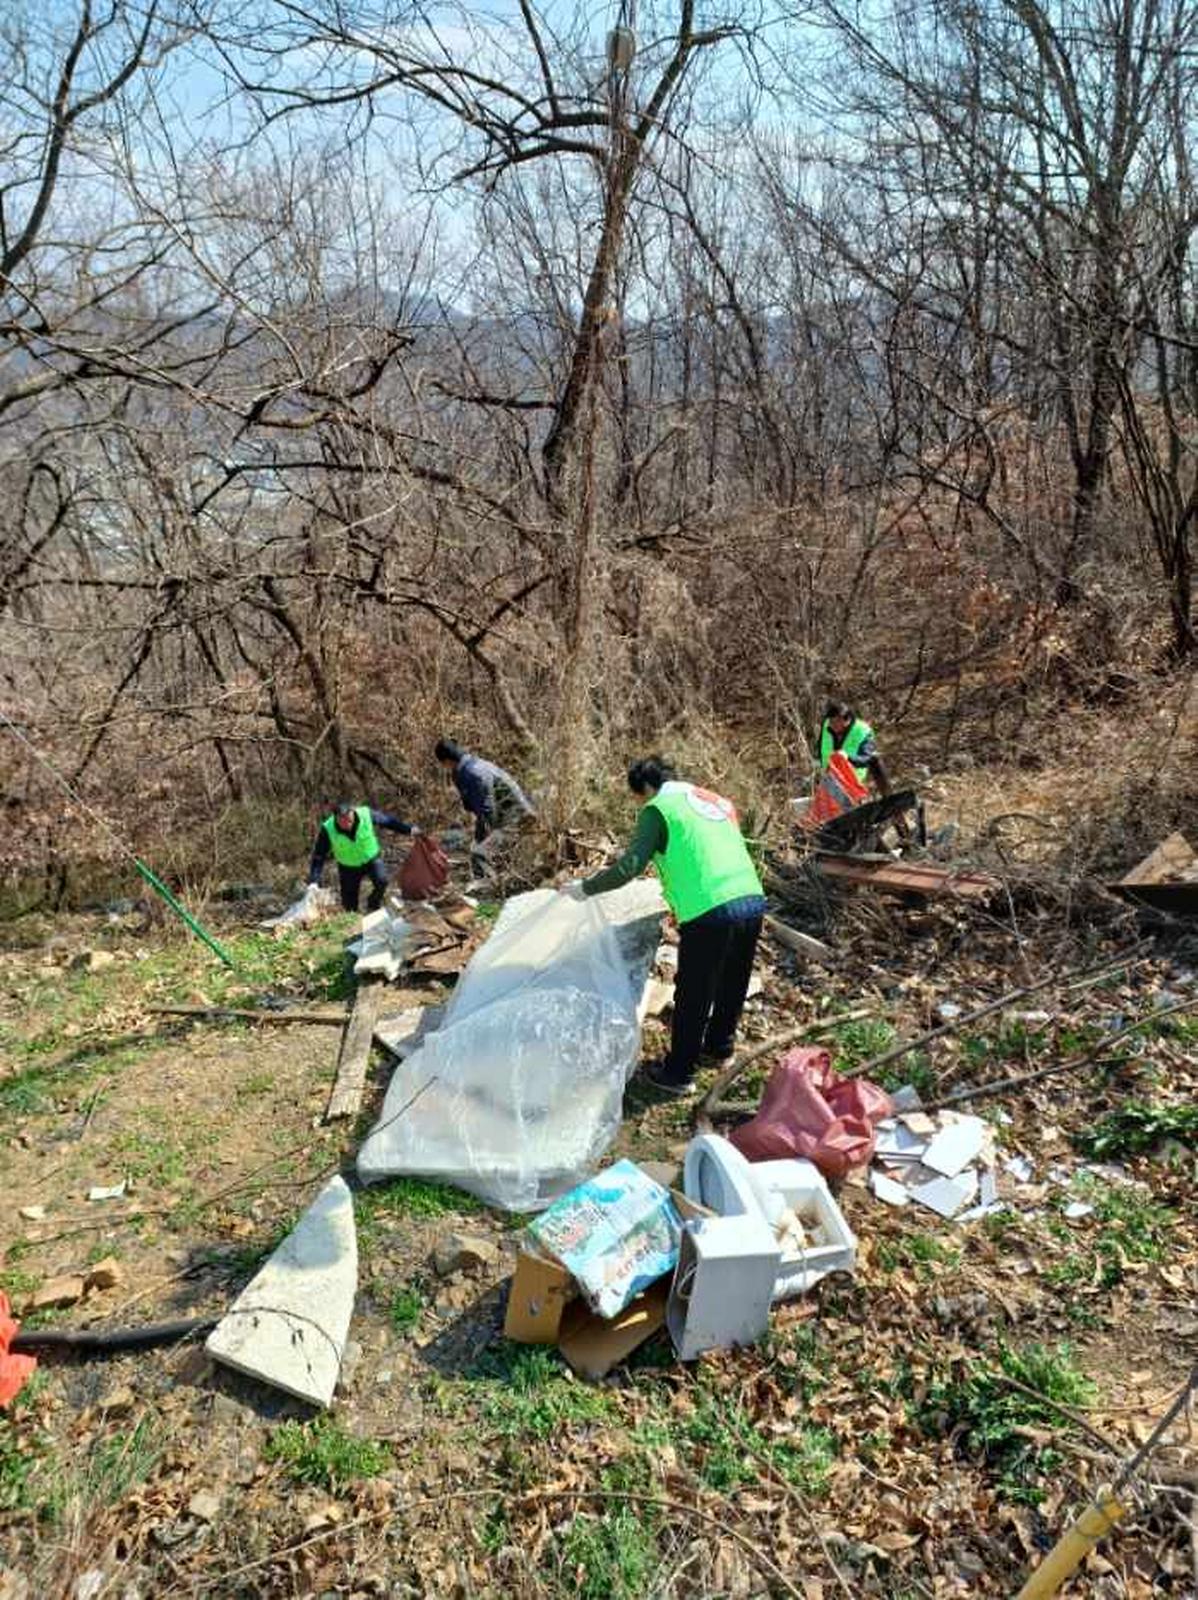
956	1147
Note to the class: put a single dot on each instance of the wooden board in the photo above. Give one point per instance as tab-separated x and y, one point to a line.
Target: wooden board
346	1098
908	877
1166	879
802	943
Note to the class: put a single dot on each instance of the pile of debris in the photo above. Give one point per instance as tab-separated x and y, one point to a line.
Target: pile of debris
943	1161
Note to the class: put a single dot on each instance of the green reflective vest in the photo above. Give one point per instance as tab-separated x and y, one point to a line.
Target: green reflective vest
857	735
359	850
705	863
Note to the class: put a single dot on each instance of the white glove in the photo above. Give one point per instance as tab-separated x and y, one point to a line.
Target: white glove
413	832
573	890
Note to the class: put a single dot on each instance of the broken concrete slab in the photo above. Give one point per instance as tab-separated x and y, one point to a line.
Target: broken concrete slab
288	1327
906	1099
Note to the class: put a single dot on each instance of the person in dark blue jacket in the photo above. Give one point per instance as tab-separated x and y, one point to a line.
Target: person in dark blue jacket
492	797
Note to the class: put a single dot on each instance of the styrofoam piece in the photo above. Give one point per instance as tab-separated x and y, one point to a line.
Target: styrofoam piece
894	1194
723	1284
947	1196
956	1146
716	1175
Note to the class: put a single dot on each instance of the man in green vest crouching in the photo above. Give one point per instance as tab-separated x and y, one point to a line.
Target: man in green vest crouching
349	834
693	838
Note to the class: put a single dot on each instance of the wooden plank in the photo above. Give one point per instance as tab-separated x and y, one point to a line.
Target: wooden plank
909	877
1171	860
244	1014
346	1097
803	943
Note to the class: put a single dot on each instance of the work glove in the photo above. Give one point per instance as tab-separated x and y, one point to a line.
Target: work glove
573	890
413	832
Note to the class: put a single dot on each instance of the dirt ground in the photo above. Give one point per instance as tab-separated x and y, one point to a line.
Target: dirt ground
925	1428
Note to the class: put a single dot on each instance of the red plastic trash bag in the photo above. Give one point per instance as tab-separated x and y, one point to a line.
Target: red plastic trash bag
14	1370
808	1111
425	871
838	791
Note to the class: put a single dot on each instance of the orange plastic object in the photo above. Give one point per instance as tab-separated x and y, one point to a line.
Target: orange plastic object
15	1371
839	790
810	1112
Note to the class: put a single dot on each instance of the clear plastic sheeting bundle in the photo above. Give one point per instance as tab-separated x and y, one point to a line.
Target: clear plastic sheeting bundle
519	1092
311	906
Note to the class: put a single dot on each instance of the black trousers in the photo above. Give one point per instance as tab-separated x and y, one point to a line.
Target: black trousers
351	883
715	963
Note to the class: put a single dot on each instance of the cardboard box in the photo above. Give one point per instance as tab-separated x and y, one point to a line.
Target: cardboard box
544	1307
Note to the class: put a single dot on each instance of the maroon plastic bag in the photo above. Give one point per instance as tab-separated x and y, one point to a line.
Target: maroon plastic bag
425	871
810	1112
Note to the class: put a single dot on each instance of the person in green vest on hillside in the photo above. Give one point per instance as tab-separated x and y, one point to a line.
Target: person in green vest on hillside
842	730
693	838
350	835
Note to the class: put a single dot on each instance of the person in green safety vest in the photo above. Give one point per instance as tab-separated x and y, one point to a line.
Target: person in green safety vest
842	730
350	835
693	838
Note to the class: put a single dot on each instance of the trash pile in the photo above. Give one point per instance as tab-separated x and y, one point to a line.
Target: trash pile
944	1161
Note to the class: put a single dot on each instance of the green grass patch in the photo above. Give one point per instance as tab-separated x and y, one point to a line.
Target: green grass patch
323	1453
523	1389
854	1042
406	1308
1136	1128
413	1197
994	1419
608	1555
916	1251
730	1451
914	1069
1126	1226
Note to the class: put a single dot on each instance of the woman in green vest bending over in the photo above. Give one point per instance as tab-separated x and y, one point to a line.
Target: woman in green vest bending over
842	730
349	834
693	838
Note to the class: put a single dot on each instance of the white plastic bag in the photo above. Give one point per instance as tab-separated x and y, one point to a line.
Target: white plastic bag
519	1092
311	906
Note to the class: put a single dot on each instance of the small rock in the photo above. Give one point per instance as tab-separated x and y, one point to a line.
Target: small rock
464	1252
105	1274
33	1213
351	1360
55	1292
118	1401
92	960
114	1192
226	1409
204	1506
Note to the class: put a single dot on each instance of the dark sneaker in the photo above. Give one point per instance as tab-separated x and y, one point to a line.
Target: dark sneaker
716	1058
658	1074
